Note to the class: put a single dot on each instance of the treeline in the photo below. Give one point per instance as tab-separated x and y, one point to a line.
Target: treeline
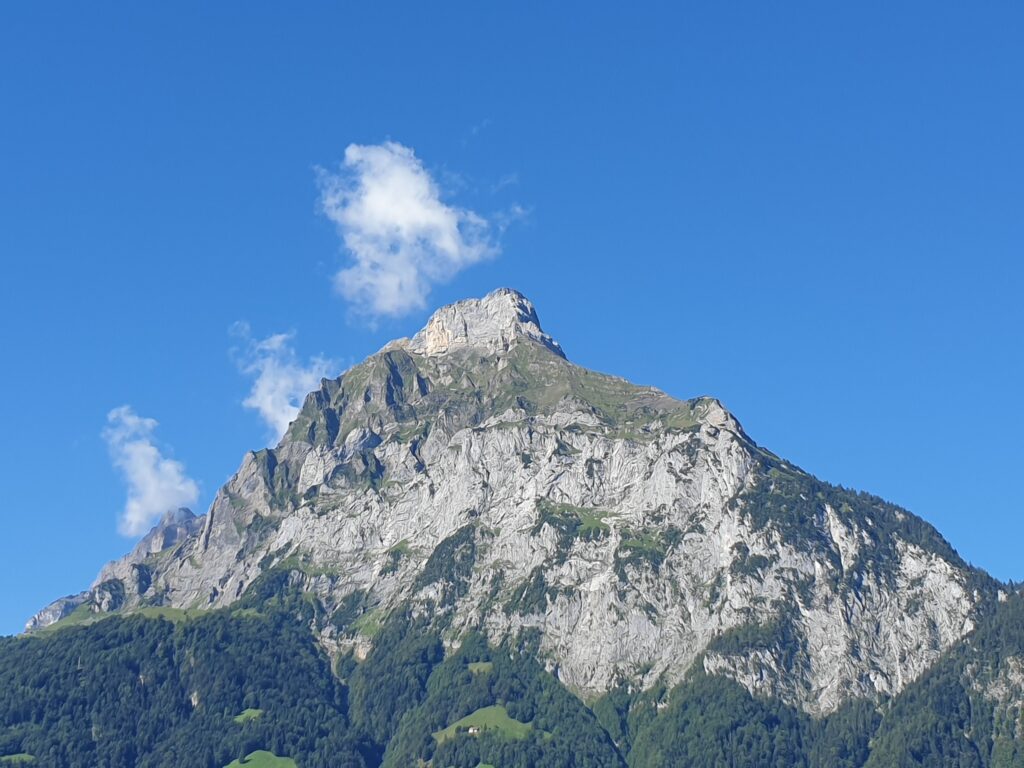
139	692
562	732
966	712
148	693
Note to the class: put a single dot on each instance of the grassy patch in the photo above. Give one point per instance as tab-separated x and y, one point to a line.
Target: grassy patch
299	561
479	667
646	542
494	718
248	714
81	615
369	624
263	759
22	758
396	554
637	550
401	547
592	524
571	522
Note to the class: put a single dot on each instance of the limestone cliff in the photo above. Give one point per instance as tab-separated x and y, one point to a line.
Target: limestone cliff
475	474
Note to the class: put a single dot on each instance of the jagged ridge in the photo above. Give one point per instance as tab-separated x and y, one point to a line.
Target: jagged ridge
475	475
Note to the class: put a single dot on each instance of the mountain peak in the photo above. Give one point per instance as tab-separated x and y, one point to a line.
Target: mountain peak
494	322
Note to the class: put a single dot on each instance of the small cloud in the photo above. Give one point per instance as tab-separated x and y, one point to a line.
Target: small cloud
508	180
511	215
281	381
475	130
155	482
402	238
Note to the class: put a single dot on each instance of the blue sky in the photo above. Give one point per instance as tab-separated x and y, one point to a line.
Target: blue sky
815	214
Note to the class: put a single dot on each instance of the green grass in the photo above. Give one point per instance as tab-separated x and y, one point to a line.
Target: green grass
477	667
262	759
585	522
298	561
645	542
22	758
494	718
369	624
401	547
83	615
592	520
248	714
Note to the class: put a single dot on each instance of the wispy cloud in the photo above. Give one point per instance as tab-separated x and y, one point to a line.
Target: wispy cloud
402	237
475	130
280	381
508	180
155	483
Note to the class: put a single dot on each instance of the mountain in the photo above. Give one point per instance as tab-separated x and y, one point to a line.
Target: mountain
471	489
174	527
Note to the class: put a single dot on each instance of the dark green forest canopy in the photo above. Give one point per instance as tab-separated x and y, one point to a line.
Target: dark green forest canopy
148	692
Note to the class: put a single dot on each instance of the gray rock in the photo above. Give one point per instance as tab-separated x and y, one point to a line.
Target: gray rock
632	534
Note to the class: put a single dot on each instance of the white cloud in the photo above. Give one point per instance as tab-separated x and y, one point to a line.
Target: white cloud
281	381
155	482
401	236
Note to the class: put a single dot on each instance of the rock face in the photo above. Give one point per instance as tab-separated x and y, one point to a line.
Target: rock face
478	477
108	591
493	323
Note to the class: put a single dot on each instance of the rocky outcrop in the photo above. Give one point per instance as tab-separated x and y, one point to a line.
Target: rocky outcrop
132	572
474	474
493	323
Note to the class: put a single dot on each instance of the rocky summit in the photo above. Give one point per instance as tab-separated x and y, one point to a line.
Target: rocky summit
474	478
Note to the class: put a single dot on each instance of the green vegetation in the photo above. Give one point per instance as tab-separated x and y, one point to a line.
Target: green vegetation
393	679
943	719
746	564
532	595
713	722
794	502
491	718
83	615
526	717
643	549
397	386
947	713
451	564
138	692
368	624
171	614
163	690
570	522
396	554
262	759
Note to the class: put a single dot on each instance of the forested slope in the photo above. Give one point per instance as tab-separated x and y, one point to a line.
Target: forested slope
204	691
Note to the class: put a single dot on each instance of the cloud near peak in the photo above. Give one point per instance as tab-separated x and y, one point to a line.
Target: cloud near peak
280	380
155	483
401	236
